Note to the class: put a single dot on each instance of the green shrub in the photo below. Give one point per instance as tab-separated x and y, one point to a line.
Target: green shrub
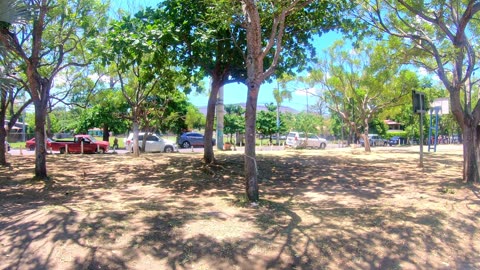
396	133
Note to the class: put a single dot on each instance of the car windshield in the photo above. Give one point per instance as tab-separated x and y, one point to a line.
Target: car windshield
92	139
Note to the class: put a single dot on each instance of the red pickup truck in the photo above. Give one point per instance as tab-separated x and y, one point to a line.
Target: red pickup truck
87	142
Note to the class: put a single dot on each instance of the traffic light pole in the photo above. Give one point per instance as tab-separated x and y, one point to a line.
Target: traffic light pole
421	139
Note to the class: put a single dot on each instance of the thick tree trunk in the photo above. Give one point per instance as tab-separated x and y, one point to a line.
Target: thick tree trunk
208	155
471	153
40	149
251	176
3	151
135	145
106	133
3	132
366	141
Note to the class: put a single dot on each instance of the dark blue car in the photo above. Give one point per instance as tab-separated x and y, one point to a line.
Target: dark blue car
194	139
397	140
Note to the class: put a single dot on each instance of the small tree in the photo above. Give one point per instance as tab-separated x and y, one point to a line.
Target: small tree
234	120
140	57
442	37
53	40
358	84
286	21
267	121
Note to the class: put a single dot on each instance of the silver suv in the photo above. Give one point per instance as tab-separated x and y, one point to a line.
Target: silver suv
299	140
374	140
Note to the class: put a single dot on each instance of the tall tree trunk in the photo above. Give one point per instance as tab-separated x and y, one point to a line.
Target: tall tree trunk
40	149
3	132
251	176
135	145
106	133
208	155
366	140
471	152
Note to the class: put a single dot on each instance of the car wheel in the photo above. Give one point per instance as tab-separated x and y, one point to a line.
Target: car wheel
62	150
168	149
323	145
186	144
101	150
31	148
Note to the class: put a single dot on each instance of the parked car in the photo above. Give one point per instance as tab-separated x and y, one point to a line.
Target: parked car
397	140
375	140
30	144
194	139
154	143
299	140
81	143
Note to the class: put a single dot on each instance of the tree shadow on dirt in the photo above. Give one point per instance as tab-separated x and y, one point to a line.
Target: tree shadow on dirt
316	212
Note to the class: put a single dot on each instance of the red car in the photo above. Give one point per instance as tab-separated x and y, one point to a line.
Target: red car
30	144
80	144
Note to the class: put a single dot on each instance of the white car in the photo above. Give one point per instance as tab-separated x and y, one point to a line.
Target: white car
374	140
299	140
154	143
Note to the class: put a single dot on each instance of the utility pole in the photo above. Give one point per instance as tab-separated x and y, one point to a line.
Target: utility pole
219	108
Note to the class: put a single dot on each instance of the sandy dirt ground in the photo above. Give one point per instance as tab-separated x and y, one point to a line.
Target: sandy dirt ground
319	209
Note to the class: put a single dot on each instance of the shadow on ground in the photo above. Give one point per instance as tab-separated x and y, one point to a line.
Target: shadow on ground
319	210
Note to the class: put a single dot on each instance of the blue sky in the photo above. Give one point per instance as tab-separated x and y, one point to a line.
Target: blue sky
237	93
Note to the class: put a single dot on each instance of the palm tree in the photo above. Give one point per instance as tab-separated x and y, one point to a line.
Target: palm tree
13	12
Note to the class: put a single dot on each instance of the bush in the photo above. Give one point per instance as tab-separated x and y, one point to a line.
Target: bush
402	134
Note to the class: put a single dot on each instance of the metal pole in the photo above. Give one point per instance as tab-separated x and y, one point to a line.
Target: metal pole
306	94
421	140
278	124
24	126
220	116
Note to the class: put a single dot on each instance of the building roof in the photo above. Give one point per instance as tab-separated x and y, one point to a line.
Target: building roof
391	122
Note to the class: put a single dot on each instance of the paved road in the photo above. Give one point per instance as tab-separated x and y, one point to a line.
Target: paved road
270	148
181	150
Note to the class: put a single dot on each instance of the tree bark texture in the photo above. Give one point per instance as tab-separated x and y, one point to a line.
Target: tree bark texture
469	122
3	132
471	152
251	169
208	155
40	149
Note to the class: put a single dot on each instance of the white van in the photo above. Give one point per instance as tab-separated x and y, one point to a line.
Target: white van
299	140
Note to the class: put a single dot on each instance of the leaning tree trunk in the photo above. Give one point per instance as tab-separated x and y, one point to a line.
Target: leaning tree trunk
251	176
208	155
471	151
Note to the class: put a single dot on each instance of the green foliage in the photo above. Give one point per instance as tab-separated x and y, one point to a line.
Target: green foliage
234	121
360	84
389	135
267	120
377	126
109	110
194	119
308	123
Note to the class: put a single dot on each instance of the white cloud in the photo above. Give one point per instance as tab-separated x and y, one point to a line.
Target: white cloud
304	91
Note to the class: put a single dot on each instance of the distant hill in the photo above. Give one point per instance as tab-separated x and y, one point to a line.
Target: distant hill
283	109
